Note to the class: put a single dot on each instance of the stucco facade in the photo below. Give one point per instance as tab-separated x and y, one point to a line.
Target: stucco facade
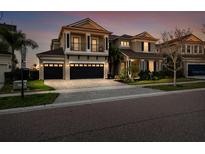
83	49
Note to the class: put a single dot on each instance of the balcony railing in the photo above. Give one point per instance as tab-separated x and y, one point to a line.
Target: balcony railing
82	47
78	46
97	48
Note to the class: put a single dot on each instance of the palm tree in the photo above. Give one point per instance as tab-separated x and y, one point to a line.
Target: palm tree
15	40
114	59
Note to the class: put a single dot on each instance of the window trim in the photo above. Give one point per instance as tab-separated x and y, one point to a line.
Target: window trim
124	43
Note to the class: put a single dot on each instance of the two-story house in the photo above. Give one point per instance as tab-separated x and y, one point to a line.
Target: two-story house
79	52
192	52
139	50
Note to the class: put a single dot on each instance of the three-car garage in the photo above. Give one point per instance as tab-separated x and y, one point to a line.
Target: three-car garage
77	70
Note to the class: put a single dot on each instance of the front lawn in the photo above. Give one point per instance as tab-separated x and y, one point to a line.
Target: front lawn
28	100
167	80
35	85
178	86
38	85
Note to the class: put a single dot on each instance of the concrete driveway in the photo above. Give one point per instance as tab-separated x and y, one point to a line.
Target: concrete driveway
84	83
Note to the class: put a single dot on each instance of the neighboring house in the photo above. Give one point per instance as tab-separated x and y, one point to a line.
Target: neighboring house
79	52
5	56
5	64
192	51
139	50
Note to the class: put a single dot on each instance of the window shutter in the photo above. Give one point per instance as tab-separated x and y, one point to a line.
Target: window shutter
142	46
106	45
155	66
88	42
147	66
68	40
149	46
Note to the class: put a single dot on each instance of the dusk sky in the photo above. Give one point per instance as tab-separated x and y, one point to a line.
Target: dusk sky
44	26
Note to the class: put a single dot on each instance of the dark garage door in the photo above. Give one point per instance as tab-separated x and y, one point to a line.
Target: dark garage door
86	71
53	71
196	69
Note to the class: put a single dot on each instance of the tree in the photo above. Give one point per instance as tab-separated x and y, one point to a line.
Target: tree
114	59
172	51
15	40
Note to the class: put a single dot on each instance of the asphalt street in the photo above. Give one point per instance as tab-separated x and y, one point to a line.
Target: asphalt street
173	117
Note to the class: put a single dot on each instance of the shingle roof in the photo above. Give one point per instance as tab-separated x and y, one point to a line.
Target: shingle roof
180	38
132	54
145	36
126	36
58	51
113	37
10	27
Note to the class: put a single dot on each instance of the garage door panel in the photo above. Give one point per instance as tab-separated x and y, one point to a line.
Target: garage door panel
196	69
86	72
54	71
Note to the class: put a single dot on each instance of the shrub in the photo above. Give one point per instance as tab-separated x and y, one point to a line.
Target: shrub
123	74
145	75
33	75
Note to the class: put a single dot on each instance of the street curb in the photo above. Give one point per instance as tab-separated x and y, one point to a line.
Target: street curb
93	101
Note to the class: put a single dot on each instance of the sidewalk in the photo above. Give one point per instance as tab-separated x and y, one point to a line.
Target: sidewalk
96	88
92	101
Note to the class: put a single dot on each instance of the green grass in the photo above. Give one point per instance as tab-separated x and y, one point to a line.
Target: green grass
179	86
167	80
28	100
36	85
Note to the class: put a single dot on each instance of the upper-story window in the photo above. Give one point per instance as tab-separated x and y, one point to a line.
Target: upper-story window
200	49
76	43
94	45
146	46
124	44
188	49
195	48
183	48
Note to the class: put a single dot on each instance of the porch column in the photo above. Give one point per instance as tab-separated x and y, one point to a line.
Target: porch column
129	65
41	70
67	68
160	65
157	65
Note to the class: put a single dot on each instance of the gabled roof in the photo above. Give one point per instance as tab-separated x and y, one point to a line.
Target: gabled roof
126	36
87	24
186	38
56	52
134	55
145	36
113	37
141	36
